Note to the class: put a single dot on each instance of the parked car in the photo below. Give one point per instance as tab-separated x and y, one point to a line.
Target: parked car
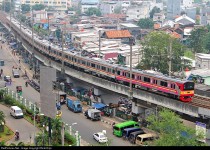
7	78
100	137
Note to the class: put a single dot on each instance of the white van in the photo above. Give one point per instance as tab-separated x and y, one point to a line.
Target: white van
16	112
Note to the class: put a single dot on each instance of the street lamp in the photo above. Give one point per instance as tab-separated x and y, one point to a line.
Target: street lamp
131	89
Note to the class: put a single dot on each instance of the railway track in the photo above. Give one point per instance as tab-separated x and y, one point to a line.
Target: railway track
201	101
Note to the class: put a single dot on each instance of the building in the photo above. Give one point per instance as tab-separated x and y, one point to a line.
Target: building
190	12
107	8
85	4
138	11
187	3
17	4
203	17
200	76
202	61
173	9
158	17
184	21
59	5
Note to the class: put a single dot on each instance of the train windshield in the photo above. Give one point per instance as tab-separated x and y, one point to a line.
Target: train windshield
189	86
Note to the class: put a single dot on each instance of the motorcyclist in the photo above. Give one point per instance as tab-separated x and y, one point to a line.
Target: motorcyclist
17	135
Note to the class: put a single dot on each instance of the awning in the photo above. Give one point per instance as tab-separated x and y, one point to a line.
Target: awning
99	105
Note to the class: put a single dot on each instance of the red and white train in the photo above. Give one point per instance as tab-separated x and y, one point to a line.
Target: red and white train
174	88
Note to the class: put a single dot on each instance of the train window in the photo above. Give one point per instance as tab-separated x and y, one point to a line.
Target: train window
146	79
98	66
78	61
154	81
93	65
75	60
66	56
123	73
103	68
128	75
173	86
88	64
162	83
113	71
83	62
133	76
60	54
108	69
118	72
189	86
69	58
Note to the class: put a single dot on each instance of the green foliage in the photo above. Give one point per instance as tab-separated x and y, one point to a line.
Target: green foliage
93	11
118	10
197	10
6	6
156	51
153	11
146	23
2	143
1	95
2	117
38	7
207	42
189	54
168	124
9	100
56	127
69	139
196	40
58	33
25	8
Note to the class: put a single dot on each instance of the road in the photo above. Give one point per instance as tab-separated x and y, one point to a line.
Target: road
85	127
25	128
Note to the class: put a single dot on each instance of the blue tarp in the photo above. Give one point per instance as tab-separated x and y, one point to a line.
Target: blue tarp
99	105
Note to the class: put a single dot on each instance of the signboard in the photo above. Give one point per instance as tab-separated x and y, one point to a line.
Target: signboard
47	96
201	130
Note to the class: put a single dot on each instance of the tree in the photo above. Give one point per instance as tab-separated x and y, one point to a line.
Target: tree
196	40
118	10
93	11
56	127
6	6
207	42
153	11
146	23
38	7
155	48
25	8
197	10
171	131
2	117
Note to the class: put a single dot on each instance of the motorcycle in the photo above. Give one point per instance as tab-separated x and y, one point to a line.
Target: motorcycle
17	137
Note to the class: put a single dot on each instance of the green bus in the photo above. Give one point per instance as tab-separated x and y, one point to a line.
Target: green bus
118	128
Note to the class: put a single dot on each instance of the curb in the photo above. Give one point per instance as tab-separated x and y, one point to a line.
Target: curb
109	123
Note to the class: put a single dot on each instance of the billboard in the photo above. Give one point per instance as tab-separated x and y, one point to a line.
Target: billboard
47	96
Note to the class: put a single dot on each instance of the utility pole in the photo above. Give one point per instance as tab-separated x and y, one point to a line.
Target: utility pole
10	17
99	43
62	68
62	134
33	42
170	50
131	88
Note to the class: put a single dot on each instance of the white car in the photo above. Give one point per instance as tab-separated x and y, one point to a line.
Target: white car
100	137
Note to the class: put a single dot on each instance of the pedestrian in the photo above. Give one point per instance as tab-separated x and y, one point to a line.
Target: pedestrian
26	83
19	67
10	81
1	71
113	124
19	61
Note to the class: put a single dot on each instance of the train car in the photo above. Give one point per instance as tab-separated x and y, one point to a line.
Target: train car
158	83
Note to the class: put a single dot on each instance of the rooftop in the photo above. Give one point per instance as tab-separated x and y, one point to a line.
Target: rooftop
118	34
201	72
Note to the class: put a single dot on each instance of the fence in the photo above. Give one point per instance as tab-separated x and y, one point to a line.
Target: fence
30	105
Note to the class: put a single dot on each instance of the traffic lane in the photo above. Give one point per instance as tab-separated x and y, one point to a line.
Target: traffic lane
86	127
9	63
25	128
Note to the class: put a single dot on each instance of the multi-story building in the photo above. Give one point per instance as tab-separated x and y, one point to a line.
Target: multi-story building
187	3
138	11
107	7
173	8
59	5
85	4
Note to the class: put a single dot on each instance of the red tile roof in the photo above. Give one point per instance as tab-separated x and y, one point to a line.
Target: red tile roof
43	21
176	35
112	34
115	16
157	26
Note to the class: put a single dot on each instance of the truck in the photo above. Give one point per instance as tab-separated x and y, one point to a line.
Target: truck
93	114
74	104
